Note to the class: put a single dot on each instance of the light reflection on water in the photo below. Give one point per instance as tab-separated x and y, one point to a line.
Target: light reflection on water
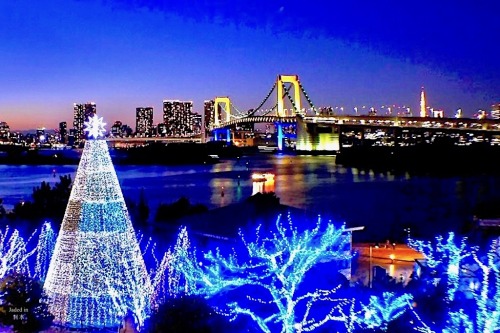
383	202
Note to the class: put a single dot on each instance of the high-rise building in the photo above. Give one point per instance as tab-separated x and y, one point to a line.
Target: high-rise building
423	106
121	130
81	114
197	124
116	129
63	132
71	137
144	121
495	111
178	118
161	130
40	135
4	131
209	114
437	113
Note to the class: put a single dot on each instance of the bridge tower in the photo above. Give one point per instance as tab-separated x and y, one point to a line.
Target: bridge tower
227	107
294	80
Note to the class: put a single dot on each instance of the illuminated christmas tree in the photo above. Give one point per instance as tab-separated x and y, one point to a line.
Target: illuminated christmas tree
97	273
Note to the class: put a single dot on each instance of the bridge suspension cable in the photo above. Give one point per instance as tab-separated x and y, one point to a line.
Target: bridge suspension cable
263	101
238	114
285	94
307	96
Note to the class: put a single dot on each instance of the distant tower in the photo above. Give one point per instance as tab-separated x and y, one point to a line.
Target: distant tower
423	112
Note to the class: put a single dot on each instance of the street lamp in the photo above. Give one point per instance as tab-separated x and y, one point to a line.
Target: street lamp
371	266
350	231
370	272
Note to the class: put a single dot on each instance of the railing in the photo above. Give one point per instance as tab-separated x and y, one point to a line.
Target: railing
377	121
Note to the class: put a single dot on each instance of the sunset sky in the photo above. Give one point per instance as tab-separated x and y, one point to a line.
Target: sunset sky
124	54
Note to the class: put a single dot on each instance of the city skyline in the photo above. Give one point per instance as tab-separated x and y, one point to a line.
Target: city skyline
136	54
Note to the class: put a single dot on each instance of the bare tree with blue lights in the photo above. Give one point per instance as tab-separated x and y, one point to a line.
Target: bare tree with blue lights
380	311
445	255
473	273
271	270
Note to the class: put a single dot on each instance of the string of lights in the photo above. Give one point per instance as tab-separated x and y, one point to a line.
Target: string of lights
445	253
382	310
482	311
488	297
14	256
44	250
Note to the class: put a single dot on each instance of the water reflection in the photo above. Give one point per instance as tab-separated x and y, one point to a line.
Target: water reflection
385	203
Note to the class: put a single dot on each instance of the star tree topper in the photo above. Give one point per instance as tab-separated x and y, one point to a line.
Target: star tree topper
95	127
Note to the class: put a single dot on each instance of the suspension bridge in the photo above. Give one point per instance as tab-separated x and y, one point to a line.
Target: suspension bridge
226	114
313	130
284	111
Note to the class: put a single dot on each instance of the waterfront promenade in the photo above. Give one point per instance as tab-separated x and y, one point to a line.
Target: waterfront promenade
398	260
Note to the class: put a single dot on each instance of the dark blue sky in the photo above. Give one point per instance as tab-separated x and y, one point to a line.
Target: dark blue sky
124	54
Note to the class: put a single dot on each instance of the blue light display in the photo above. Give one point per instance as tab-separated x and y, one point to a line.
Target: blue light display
273	266
445	255
380	311
14	255
473	273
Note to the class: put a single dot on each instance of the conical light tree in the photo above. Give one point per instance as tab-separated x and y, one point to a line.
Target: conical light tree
97	273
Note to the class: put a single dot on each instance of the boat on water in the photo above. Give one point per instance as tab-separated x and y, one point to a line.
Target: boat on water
267	149
262	177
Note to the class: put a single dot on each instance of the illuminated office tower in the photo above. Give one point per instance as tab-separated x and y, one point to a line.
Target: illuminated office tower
41	137
144	121
197	124
81	114
4	131
208	114
423	107
116	129
495	111
63	131
178	118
